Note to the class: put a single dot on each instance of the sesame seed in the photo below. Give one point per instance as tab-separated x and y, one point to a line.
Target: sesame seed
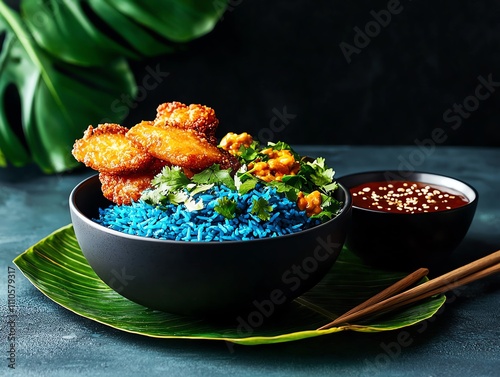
407	197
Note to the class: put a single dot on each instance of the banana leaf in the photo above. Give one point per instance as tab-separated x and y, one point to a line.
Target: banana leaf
93	32
57	101
57	267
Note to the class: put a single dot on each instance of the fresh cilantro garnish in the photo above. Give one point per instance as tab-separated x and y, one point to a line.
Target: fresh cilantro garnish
226	207
262	209
183	197
319	174
250	153
296	181
214	174
330	208
330	187
246	186
281	187
244	180
170	179
171	185
154	197
196	189
280	145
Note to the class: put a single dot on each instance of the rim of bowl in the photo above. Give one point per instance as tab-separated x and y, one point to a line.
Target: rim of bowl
74	208
472	195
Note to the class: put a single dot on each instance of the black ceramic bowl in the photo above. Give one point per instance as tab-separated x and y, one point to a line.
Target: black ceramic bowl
205	278
406	241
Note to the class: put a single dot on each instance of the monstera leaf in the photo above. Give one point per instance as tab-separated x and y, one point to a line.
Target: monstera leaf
63	67
91	32
57	101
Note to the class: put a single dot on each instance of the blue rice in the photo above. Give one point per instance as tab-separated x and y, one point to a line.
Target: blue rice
174	222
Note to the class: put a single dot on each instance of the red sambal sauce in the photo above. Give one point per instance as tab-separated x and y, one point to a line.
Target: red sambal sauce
406	197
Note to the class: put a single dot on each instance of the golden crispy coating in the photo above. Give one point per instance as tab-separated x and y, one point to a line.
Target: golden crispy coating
199	118
181	147
107	150
127	160
123	189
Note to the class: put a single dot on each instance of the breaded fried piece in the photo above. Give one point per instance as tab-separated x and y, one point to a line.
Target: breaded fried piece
123	189
107	150
181	147
195	117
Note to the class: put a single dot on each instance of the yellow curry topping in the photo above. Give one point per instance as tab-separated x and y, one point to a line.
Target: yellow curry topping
280	163
311	203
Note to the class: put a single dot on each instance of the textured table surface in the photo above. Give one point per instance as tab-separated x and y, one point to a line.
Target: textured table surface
462	339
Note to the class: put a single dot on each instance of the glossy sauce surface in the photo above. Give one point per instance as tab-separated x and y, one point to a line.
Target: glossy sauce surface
406	197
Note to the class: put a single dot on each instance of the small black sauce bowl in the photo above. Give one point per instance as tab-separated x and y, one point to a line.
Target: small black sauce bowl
206	278
403	241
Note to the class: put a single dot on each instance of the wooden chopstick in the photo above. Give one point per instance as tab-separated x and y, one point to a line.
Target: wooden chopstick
448	287
463	275
386	293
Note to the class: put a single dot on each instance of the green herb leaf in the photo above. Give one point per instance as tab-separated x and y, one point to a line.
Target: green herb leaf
297	181
214	174
246	186
281	187
249	154
280	145
177	197
321	175
330	208
154	197
196	189
170	178
226	207
167	186
261	209
330	187
193	205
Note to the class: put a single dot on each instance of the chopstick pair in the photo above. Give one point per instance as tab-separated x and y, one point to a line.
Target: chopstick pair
395	297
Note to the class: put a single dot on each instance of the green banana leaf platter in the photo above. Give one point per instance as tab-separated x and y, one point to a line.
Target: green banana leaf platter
56	266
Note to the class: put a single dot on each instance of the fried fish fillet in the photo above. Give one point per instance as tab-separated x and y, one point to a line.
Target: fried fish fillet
123	189
195	117
181	147
107	150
